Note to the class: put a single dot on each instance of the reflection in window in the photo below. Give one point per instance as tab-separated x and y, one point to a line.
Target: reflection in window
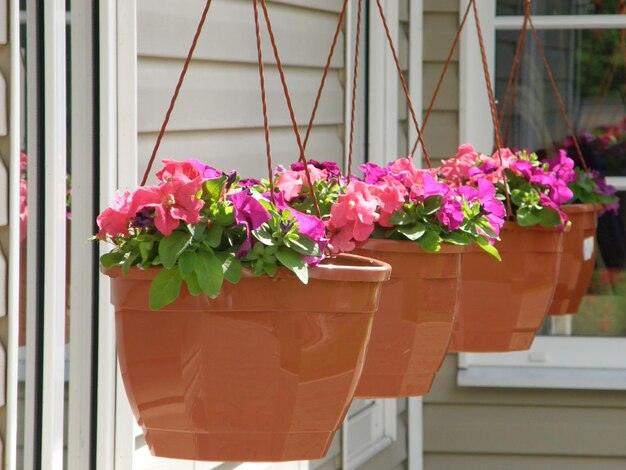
560	7
589	69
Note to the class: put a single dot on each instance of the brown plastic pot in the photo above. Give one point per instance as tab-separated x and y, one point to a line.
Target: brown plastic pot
503	303
264	372
413	325
578	259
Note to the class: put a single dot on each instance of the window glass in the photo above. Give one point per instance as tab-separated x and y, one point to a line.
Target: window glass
559	7
589	69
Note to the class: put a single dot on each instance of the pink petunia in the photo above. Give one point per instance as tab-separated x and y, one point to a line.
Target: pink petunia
172	202
174	169
290	183
115	220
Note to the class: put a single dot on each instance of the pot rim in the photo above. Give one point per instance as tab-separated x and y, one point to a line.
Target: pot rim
407	246
581	208
343	267
512	226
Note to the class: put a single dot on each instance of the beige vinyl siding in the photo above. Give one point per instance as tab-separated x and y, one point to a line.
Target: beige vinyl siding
481	428
218	117
441	18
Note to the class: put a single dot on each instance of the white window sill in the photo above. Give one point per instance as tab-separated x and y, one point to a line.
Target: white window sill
583	363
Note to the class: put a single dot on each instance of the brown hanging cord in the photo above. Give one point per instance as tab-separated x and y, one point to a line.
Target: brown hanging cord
325	74
511	86
444	71
176	91
403	82
290	107
492	103
355	74
266	125
557	95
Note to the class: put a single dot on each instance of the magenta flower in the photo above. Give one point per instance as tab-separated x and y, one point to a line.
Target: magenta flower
171	202
562	166
331	168
23	207
373	173
450	214
250	213
115	220
207	171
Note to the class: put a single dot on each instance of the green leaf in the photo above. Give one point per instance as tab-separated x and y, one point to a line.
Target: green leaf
186	264
432	204
430	242
400	218
213	187
197	230
111	259
548	217
305	245
527	217
264	235
293	262
231	267
145	248
488	247
193	285
165	288
214	236
132	257
270	269
208	269
458	238
412	232
170	248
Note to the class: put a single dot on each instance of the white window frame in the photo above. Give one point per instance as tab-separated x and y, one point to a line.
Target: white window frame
595	363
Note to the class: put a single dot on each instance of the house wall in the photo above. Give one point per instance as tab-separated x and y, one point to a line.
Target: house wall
513	429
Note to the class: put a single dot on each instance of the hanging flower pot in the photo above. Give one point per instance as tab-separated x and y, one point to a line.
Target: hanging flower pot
503	304
591	195
414	322
238	340
263	372
578	259
408	218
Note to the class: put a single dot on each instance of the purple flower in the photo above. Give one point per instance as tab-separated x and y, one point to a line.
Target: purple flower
562	166
450	214
433	188
208	172
248	182
331	167
250	213
144	218
373	173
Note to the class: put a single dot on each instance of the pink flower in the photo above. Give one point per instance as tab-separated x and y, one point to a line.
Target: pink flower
290	183
23	208
457	170
356	210
173	169
172	202
392	195
114	220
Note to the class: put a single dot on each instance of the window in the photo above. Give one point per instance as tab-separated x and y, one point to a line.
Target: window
582	41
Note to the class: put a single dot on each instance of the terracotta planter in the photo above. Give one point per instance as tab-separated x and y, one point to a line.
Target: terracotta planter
578	259
414	321
264	372
504	303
